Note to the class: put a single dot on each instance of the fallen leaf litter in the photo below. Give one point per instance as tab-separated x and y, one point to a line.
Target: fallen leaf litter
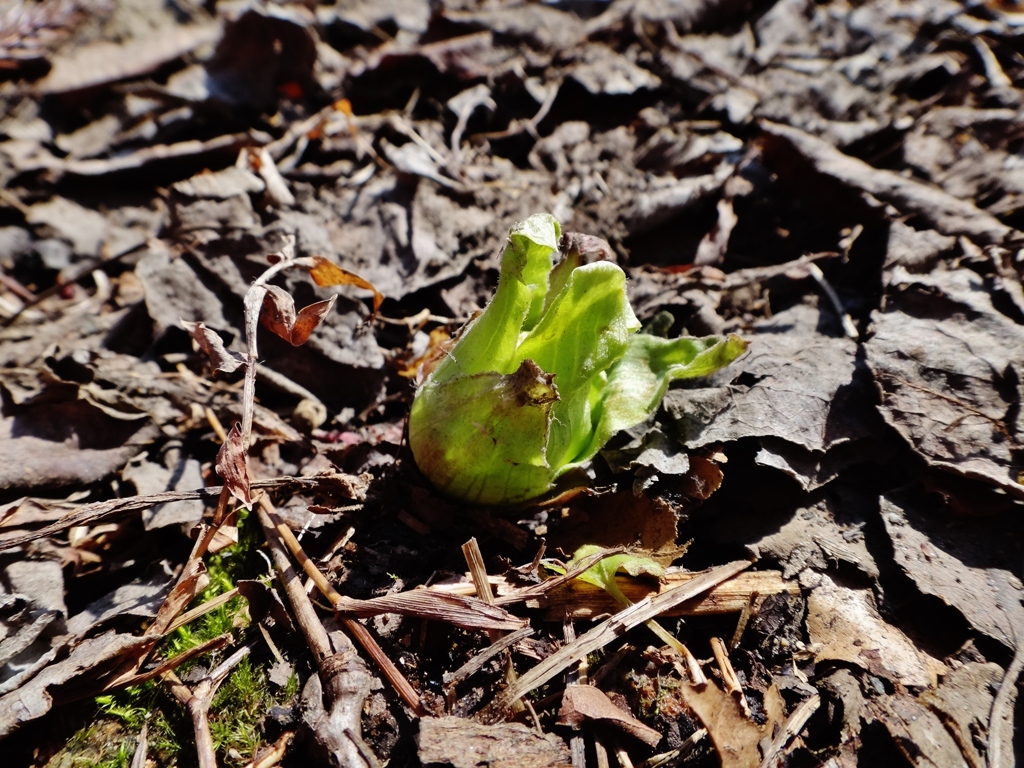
804	176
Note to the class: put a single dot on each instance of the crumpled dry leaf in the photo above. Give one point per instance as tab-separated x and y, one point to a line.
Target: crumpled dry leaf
948	366
82	415
844	625
793	153
190	583
581	703
83	668
176	474
280	317
916	731
105	62
795	383
32	619
220	185
652	450
963	703
540	26
734	735
233	465
67	441
969	564
816	536
141	598
172	292
85	229
601	70
326	273
221	358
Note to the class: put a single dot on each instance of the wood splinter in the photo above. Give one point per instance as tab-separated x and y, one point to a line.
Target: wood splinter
730	679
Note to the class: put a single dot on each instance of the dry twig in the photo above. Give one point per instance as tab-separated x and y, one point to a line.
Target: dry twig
793	725
198	702
345	681
1000	716
607	631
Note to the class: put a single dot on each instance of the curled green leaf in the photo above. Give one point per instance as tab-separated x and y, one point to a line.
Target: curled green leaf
602	573
545	375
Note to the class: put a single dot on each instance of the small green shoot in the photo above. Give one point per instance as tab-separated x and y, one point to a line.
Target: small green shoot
602	574
545	375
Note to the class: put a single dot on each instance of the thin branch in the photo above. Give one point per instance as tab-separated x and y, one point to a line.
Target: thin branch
198	703
475	561
605	632
344	679
90	514
170	665
793	725
476	663
729	677
1001	714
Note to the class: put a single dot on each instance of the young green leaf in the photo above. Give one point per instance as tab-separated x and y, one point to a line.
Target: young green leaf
547	373
602	574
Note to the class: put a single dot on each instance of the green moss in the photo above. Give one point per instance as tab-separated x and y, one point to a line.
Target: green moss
131	708
238	709
290	690
101	744
224	570
240	706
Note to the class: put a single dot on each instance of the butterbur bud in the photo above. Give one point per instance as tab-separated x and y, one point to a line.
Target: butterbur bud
545	375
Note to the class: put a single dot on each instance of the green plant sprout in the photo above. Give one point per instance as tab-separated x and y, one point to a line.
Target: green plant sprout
545	375
602	574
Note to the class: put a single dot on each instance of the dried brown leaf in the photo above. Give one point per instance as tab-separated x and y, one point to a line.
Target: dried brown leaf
797	384
734	735
326	273
948	366
278	312
221	358
792	152
963	703
232	465
309	320
844	625
103	61
280	317
585	702
916	731
968	564
466	612
86	663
